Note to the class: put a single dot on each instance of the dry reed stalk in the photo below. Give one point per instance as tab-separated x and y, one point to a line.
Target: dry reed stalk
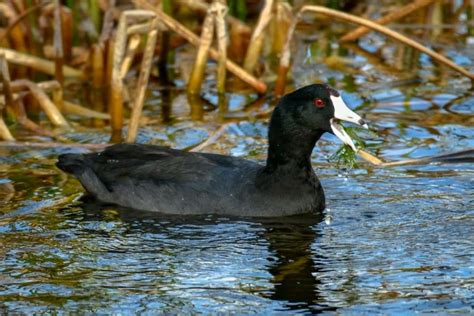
392	16
436	19
6	82
4	131
20	17
98	73
46	104
67	25
285	58
281	23
142	81
369	157
197	73
222	40
466	155
58	97
107	23
133	43
19	86
25	122
39	64
202	7
175	26
52	145
116	86
58	44
77	109
256	41
15	31
142	28
211	139
196	106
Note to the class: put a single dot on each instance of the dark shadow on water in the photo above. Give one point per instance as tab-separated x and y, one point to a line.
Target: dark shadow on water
292	266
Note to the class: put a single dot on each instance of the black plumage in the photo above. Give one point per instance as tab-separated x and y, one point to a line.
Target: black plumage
164	180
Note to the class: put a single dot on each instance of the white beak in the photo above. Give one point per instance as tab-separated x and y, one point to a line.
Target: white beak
343	113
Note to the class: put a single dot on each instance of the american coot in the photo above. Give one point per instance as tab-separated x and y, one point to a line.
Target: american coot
164	180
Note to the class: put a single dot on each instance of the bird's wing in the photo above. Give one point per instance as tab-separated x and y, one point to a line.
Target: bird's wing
160	165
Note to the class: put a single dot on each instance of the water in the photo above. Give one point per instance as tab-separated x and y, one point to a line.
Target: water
392	240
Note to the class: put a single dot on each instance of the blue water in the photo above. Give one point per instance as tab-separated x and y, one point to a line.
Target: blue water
394	240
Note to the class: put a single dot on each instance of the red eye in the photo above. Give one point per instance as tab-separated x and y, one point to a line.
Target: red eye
319	103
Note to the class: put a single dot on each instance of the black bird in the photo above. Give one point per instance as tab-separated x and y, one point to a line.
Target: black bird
159	179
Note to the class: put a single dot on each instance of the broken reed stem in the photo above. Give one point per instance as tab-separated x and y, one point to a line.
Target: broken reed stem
4	131
38	64
133	44
6	82
392	16
20	17
211	139
142	82
23	120
222	40
46	104
98	76
19	86
58	97
282	20
285	58
201	6
199	67
466	155
175	26
116	86
395	35
5	79
256	41
58	44
77	109
107	23
369	157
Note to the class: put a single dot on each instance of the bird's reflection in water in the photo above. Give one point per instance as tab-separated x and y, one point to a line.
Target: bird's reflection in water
291	262
294	271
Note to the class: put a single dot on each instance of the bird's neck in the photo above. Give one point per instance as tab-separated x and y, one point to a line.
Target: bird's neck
290	147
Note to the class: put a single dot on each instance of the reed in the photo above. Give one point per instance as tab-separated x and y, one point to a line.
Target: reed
394	15
286	55
222	40
256	42
142	81
197	73
177	27
58	44
7	92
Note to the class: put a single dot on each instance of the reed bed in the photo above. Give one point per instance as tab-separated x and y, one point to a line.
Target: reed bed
48	46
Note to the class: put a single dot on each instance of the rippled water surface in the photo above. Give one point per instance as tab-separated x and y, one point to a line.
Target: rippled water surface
391	240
